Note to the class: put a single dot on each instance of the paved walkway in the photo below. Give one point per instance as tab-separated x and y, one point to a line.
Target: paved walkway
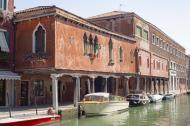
30	110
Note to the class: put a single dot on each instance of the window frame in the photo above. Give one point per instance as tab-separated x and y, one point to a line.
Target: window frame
111	51
121	54
147	34
138	27
153	39
39	88
4	5
34	38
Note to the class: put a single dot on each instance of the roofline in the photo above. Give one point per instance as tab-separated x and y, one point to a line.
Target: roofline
59	12
137	16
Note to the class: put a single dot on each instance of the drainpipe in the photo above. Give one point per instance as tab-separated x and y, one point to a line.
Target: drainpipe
14	44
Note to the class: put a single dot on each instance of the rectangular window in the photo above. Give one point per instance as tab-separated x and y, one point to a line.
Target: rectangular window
145	34
148	63
39	87
158	65
120	54
138	31
3	4
157	41
153	39
140	61
154	64
160	43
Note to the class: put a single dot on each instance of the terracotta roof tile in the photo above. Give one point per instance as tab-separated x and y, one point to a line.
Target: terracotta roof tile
109	14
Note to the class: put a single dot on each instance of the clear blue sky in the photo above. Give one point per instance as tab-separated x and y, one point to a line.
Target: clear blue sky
172	16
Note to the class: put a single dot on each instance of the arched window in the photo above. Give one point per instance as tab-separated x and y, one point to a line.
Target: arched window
85	40
140	61
148	63
91	44
120	54
39	42
154	64
110	51
131	56
96	46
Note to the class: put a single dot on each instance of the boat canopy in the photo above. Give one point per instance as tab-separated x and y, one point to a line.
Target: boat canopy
98	94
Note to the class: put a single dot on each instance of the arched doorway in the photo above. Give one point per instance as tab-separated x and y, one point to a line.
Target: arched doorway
111	85
99	84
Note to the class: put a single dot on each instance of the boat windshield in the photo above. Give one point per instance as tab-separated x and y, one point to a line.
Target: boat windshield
95	98
133	96
116	98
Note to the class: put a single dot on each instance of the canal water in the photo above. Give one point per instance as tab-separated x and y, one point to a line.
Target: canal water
167	113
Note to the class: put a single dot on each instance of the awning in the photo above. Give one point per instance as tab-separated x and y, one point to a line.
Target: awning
3	42
8	75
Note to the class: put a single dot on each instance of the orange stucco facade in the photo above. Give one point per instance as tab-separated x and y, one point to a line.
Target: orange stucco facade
64	53
69	54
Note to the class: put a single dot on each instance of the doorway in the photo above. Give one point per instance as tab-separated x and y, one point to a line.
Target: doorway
2	92
99	84
24	93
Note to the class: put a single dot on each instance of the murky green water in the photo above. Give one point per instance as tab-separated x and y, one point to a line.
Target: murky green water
168	113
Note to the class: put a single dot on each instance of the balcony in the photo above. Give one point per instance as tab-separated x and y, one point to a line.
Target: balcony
36	57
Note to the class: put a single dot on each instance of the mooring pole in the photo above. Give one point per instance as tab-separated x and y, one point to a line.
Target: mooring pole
34	92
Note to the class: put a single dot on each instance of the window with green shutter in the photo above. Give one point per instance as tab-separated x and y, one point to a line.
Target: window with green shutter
3	4
138	31
145	34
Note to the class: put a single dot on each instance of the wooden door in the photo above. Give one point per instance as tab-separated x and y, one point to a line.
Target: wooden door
24	93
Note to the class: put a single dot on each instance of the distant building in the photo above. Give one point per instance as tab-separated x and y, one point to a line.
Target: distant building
188	71
161	62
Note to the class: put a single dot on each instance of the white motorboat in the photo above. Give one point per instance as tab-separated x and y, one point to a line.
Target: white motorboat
103	104
169	96
155	98
138	99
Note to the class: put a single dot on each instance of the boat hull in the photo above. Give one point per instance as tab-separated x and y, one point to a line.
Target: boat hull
31	122
105	108
138	102
155	98
169	97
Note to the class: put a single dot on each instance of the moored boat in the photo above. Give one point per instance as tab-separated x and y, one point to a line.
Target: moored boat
169	96
29	120
138	99
155	98
103	104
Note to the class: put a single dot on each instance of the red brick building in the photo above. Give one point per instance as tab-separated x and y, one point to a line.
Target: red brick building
58	52
7	77
153	68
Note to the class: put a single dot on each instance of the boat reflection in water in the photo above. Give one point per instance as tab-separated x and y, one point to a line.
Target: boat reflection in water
109	120
167	113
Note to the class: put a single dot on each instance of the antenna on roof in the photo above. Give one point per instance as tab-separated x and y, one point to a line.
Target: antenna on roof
120	6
